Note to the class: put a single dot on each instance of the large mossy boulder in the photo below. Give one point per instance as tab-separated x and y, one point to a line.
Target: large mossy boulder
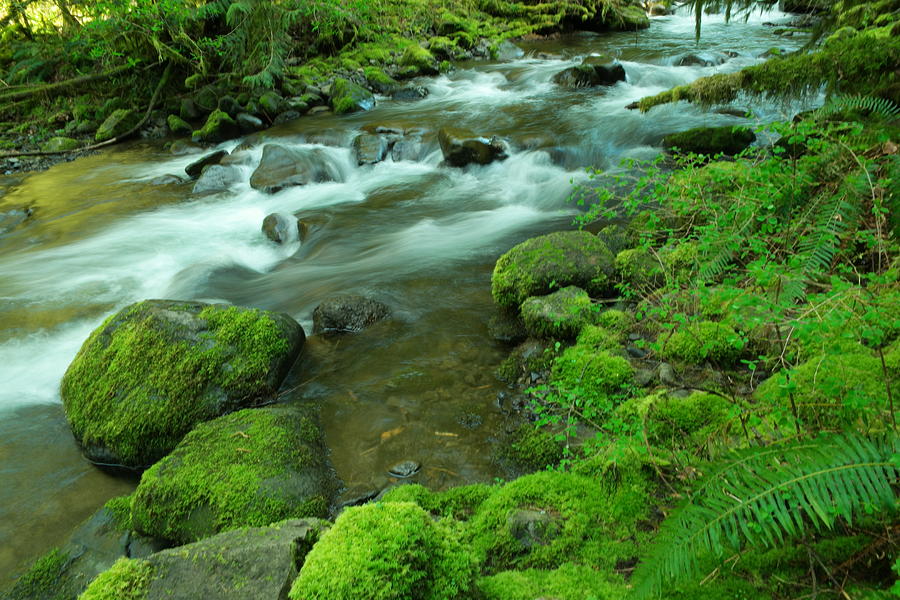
245	564
387	551
246	469
702	341
154	370
219	127
282	167
539	265
117	123
596	376
559	315
461	147
710	140
347	97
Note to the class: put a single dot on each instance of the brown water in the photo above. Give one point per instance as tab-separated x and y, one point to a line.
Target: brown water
416	235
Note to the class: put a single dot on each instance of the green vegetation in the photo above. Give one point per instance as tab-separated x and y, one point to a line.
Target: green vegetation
42	579
127	579
702	341
559	315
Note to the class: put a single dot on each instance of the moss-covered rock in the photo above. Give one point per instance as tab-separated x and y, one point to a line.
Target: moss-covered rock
458	503
152	371
532	449
710	140
546	519
639	269
538	265
419	59
616	321
219	127
568	582
44	580
598	337
832	389
593	374
680	422
559	315
117	123
380	81
347	97
702	341
177	125
60	144
531	356
386	551
249	468
127	579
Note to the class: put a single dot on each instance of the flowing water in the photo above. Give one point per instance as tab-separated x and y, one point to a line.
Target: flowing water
417	235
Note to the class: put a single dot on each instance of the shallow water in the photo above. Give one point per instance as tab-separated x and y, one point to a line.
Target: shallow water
418	236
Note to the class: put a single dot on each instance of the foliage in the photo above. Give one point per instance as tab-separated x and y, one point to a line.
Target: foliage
768	495
127	579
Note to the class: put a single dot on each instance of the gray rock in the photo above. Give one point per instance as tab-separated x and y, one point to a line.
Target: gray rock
281	167
507	327
369	149
286	116
415	92
590	75
195	168
461	147
13	218
215	179
271	103
167	179
348	313
532	527
229	105
281	229
667	374
404	469
411	148
249	123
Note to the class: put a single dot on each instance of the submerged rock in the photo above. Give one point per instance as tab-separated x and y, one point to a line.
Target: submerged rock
154	370
348	313
249	468
461	147
281	167
415	92
404	469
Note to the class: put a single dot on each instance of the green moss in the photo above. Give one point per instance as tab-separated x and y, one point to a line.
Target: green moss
531	356
539	265
250	468
616	321
348	97
702	341
178	125
831	389
219	127
598	337
418	57
42	579
678	422
560	315
639	269
459	503
379	79
136	387
120	509
117	123
127	579
572	519
444	47
533	449
386	551
710	140
568	582
591	373
60	144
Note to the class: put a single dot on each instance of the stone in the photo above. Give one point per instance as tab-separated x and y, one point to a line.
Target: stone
560	315
249	468
177	125
667	374
348	313
347	97
590	75
695	60
215	179
219	127
282	167
658	9
249	123
286	117
12	219
415	92
181	147
532	527
116	124
196	168
461	147
281	229
404	469
188	110
710	140
229	105
167	179
60	144
271	103
157	368
419	60
507	327
369	149
411	148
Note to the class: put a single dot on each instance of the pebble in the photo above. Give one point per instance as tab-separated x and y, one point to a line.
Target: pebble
404	469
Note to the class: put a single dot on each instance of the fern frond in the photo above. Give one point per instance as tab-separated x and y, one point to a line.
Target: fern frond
766	495
871	105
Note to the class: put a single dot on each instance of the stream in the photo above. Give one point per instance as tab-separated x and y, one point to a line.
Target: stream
419	236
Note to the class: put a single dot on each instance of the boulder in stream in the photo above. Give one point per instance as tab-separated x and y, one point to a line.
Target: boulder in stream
219	127
710	140
590	73
196	168
461	147
539	265
347	97
151	372
282	229
245	469
369	148
559	315
348	313
216	178
282	167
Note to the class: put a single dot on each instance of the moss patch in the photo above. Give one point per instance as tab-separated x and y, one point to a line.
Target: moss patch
704	340
347	97
386	551
533	449
560	315
569	582
42	579
249	468
537	266
459	503
595	374
710	140
127	579
219	127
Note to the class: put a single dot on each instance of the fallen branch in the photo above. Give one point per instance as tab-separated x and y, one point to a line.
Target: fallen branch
61	85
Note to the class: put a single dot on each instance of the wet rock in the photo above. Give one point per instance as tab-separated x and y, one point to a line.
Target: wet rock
590	75
805	6
11	219
461	147
219	127
180	147
507	327
644	377
271	103
348	313
667	374
369	149
229	105
195	168
636	352
411	148
710	140
187	110
215	179
416	92
696	60
60	144
178	126
404	469
176	364
286	117
347	97
318	110
166	179
246	469
280	228
282	167
249	123
116	124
